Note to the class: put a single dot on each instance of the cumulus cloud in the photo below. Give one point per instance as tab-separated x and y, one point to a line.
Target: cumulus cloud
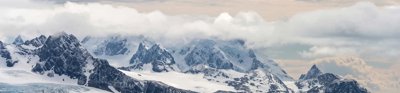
360	30
101	19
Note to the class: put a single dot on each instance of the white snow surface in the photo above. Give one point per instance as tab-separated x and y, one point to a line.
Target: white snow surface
194	82
113	89
292	86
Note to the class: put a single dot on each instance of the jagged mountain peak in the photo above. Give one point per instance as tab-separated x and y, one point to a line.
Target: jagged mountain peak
63	55
114	44
314	68
62	40
142	46
18	40
2	46
42	37
312	73
316	81
223	54
36	42
156	56
158	48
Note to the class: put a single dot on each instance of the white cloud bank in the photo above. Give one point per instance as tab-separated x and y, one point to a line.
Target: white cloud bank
363	30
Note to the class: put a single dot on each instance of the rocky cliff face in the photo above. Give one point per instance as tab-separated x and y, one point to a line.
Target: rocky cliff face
316	82
5	55
18	41
217	59
226	55
156	57
105	76
312	73
36	42
230	55
62	54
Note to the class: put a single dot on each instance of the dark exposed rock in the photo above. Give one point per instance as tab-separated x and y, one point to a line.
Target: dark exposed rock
4	53
105	75
18	41
345	86
36	42
63	55
318	82
312	73
160	59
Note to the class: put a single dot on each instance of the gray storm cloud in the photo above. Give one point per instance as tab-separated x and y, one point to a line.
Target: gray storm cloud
363	30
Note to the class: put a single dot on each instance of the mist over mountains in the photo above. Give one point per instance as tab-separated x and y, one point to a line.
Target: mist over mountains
361	40
62	59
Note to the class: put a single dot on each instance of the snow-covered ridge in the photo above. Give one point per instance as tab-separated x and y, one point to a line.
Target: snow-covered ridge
213	60
62	59
194	82
226	54
212	65
317	81
156	58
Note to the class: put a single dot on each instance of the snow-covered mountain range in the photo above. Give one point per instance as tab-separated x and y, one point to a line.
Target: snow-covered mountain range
136	64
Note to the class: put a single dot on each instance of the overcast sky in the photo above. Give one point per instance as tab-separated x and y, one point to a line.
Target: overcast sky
361	38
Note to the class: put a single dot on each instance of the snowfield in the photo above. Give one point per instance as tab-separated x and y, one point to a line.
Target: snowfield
20	81
194	82
46	88
292	85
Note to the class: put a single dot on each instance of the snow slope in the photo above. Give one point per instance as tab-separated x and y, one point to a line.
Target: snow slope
46	88
194	82
20	78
